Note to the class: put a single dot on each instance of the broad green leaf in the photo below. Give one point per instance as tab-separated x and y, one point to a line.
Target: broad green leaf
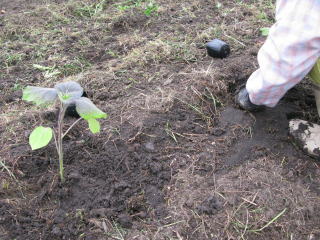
39	95
264	31
40	137
87	110
315	73
69	91
94	125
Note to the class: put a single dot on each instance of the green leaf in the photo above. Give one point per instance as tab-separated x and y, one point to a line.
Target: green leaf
315	73
264	31
94	125
87	110
40	137
150	9
69	91
39	95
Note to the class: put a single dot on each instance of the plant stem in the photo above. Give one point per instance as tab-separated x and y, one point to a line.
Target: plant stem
60	137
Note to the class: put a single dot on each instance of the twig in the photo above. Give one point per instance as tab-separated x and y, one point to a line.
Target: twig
246	226
119	232
248	201
8	170
71	127
241	43
172	224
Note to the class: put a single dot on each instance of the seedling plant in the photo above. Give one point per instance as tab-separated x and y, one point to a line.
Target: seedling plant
68	94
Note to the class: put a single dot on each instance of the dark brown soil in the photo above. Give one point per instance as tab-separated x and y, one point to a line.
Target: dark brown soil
176	159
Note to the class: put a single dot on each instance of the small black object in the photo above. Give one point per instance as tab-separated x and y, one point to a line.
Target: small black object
243	100
218	49
71	109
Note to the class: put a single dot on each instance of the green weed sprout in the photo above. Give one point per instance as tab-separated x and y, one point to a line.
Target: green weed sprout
264	31
68	93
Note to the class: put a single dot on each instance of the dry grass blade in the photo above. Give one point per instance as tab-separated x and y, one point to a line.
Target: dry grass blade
270	222
8	170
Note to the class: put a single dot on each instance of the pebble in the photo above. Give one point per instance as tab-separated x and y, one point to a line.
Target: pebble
150	146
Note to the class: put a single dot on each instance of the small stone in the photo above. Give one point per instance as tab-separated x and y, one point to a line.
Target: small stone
306	135
168	81
142	214
120	186
313	237
188	203
150	146
74	176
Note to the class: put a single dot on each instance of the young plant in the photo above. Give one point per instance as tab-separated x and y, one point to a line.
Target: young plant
264	31
68	93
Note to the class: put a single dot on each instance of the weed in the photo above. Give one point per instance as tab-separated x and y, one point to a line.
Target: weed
5	185
13	59
74	67
215	100
7	169
150	9
169	132
80	214
56	18
118	233
112	53
250	226
128	4
209	33
89	10
70	69
218	5
264	31
270	222
198	110
16	87
262	16
49	72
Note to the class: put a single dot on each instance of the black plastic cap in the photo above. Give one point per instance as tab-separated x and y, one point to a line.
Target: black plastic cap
218	49
71	109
